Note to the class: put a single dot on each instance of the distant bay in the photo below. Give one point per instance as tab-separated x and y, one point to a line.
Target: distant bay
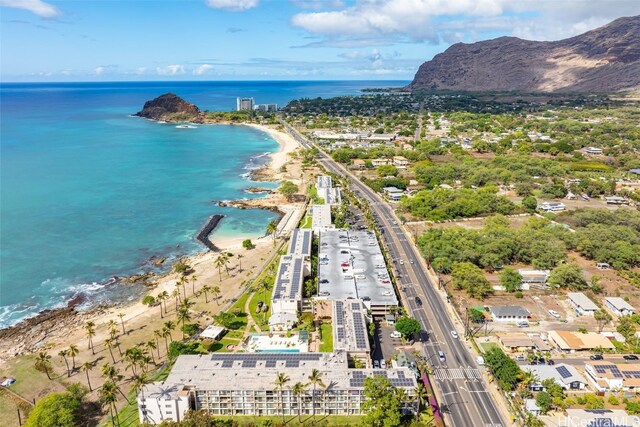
88	192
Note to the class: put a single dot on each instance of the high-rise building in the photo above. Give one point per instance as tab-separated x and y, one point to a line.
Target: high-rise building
244	104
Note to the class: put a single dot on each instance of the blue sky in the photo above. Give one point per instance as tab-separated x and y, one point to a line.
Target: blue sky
110	40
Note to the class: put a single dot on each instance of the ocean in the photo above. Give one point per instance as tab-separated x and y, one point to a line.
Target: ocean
88	192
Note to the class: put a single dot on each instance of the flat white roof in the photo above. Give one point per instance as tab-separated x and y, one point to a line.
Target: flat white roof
619	303
582	301
320	217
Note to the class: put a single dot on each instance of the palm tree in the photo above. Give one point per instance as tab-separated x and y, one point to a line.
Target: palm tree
137	384
298	389
183	316
86	367
206	289
111	373
150	346
225	258
422	395
63	354
281	380
182	282
133	356
108	396
315	379
109	343
264	286
43	363
176	294
187	303
163	297
219	263
166	333
271	229
73	352
216	294
90	327
240	256
194	278
169	326
157	334
113	328
121	316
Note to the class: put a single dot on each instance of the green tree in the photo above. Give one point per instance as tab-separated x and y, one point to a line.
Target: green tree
626	327
407	326
476	316
315	379
288	189
57	409
73	351
90	327
530	203
469	277
510	279
568	276
86	367
64	353
504	369
298	390
183	316
272	228
543	400
383	404
108	395
603	317
247	244
387	170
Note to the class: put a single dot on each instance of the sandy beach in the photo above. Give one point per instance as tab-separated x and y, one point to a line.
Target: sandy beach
140	321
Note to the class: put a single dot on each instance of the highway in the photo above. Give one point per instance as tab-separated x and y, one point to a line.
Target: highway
464	399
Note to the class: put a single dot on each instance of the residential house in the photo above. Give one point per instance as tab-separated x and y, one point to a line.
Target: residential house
380	162
394	194
509	313
534	276
616	200
593	150
532	407
551	206
358	163
516	342
582	304
565	375
619	306
571	342
400	162
607	375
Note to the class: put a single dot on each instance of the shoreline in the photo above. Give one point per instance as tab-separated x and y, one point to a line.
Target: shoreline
34	332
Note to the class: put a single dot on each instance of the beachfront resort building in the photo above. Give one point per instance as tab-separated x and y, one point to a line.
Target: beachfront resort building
326	191
350	330
286	300
321	218
244	104
237	384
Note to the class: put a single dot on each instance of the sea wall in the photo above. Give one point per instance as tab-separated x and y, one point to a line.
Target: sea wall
207	229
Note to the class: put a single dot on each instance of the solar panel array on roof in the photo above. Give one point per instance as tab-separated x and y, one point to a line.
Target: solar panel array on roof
601	369
358	377
250	360
360	330
563	371
297	275
300	243
355	306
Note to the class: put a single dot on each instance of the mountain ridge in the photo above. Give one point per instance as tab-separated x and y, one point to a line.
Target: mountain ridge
606	59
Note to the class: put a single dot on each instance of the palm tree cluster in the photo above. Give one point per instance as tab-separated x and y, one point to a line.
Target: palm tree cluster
299	389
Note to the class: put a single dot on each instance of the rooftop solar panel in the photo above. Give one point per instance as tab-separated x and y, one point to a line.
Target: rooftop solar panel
563	371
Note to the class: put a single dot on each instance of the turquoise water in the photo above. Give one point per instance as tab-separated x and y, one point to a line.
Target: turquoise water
88	192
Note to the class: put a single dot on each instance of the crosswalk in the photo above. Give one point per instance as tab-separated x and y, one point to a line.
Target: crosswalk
443	374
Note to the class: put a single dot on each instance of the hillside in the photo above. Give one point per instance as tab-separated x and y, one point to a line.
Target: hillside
606	59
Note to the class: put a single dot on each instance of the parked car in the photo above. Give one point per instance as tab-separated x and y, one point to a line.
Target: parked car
441	355
396	334
520	358
554	314
418	301
630	357
596	357
550	362
324	281
383	364
7	382
376	364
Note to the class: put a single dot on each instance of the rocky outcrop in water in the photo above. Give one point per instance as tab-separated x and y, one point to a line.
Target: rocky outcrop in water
171	108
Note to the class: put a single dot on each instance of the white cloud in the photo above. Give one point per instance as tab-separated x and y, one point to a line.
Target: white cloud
202	69
171	70
141	70
99	70
38	7
428	20
232	5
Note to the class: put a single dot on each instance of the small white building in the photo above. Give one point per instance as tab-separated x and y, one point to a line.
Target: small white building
551	206
593	150
566	376
582	304
159	402
534	276
619	306
394	194
509	313
532	407
380	162
212	332
400	161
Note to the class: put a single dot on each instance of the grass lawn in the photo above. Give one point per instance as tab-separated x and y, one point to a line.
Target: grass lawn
326	345
306	221
292	421
240	317
486	346
261	319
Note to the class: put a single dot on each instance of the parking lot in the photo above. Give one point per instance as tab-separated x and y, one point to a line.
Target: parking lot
385	346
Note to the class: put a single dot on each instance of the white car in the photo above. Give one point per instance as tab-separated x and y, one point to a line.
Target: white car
454	334
376	364
8	382
554	314
401	262
396	334
360	276
387	293
383	364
